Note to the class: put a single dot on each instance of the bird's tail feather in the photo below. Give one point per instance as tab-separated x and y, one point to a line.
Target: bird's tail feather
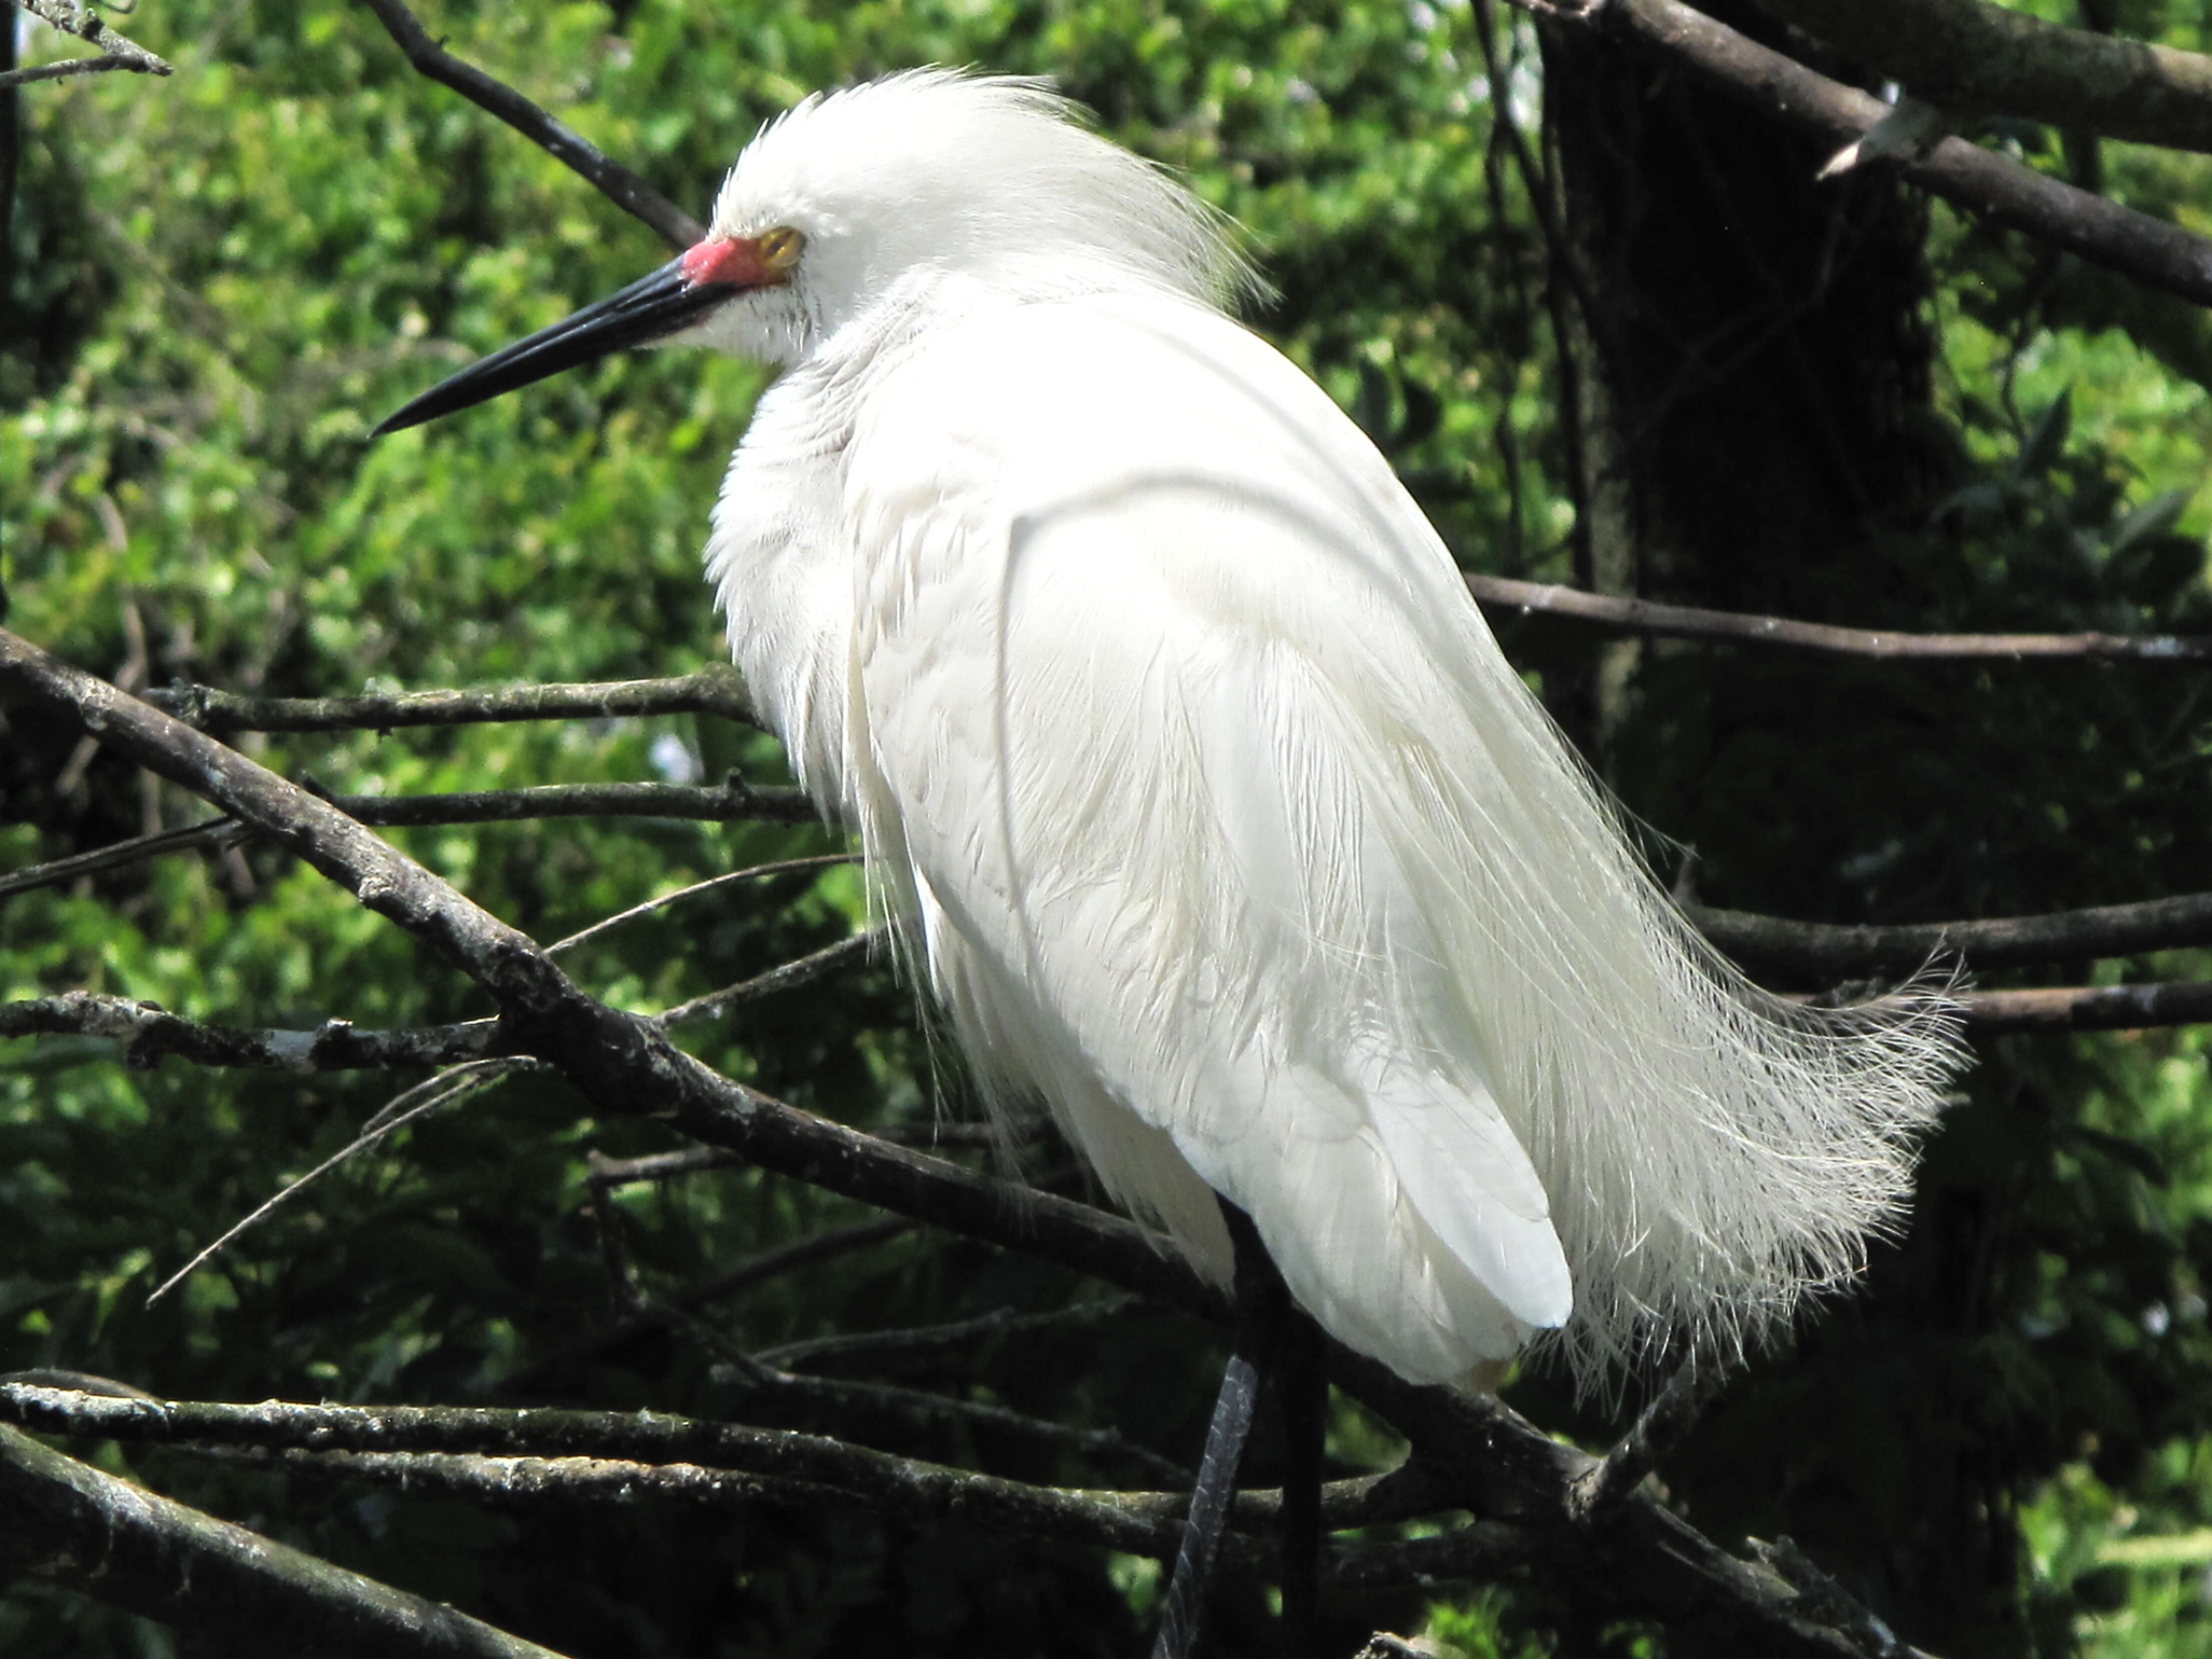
1713	1153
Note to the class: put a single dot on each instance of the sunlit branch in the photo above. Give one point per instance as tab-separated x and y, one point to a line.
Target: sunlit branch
67	70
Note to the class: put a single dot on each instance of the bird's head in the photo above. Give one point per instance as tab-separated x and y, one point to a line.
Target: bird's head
887	195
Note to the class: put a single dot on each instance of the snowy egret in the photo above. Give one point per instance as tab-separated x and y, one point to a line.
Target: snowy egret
1197	785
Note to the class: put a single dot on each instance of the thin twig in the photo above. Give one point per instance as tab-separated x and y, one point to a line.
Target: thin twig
215	834
464	1080
611	178
664	1166
933	1341
733	802
817	965
779	867
1682	621
870	1411
67	70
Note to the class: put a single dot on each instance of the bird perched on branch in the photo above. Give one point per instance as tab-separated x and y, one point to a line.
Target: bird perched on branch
1202	797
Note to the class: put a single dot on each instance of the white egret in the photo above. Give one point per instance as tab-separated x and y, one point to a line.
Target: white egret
1202	794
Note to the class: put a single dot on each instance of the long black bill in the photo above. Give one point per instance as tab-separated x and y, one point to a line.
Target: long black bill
652	308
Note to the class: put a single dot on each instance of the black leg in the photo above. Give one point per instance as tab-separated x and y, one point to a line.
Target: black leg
1263	1312
1209	1510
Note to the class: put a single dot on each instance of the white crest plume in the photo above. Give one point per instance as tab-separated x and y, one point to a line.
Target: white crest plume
883	179
1205	797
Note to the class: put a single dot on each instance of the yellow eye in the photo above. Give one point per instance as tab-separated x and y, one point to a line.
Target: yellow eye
780	248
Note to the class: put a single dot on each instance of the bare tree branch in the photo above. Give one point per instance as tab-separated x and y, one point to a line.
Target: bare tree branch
638	1442
69	1524
779	867
2152	252
74	17
1682	621
876	1412
2088	1008
492	1453
716	689
214	835
1827	951
817	965
1659	1428
611	178
67	70
1974	58
733	802
150	1034
423	1098
1642	1557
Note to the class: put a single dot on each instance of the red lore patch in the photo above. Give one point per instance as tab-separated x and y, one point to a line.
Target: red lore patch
734	261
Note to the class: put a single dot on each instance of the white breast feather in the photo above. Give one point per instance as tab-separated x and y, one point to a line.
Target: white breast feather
1228	829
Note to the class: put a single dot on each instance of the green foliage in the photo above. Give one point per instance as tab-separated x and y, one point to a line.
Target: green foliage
218	282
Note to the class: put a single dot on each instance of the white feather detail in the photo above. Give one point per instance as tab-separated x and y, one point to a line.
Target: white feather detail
1210	807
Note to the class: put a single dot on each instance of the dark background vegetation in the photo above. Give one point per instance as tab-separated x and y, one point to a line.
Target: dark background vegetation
1838	402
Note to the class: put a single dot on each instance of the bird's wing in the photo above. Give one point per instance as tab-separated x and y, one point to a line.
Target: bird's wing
1153	700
